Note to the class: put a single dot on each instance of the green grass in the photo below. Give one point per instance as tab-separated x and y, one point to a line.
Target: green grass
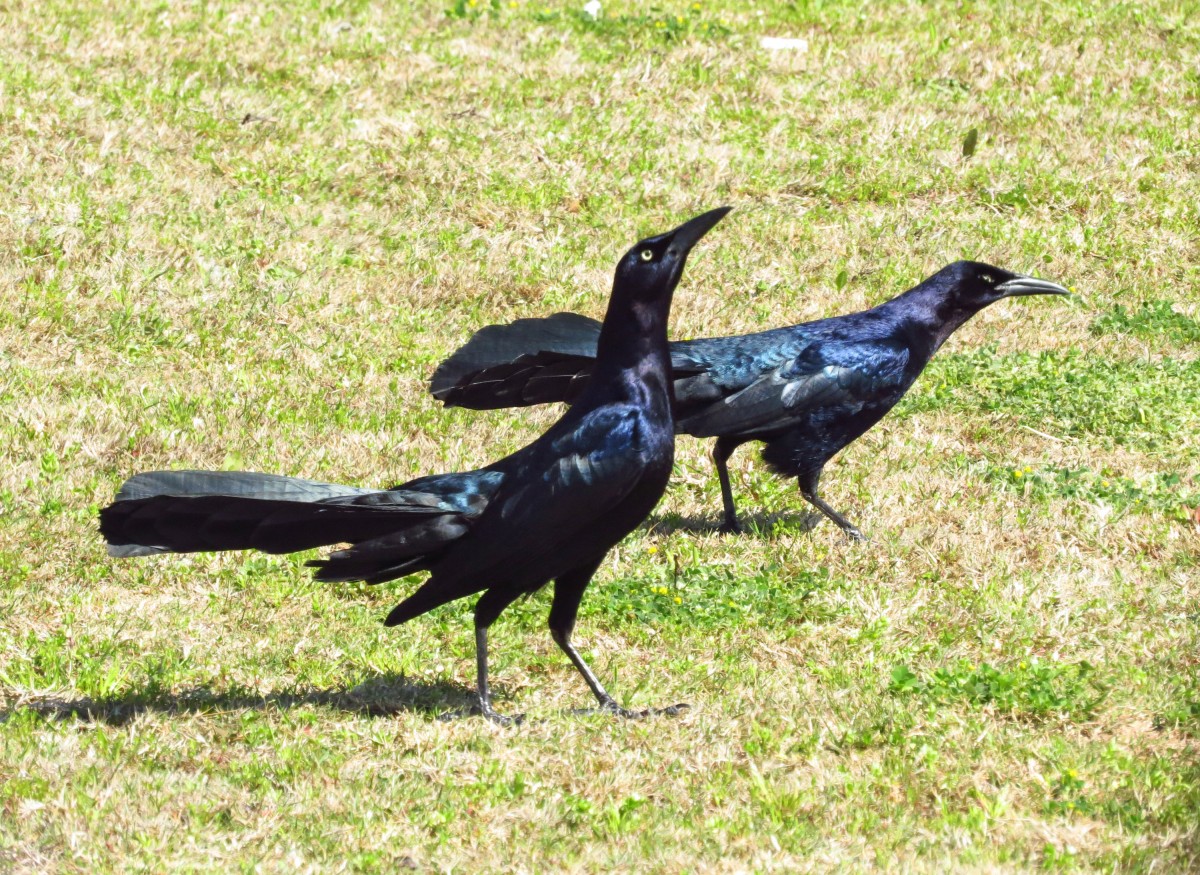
242	236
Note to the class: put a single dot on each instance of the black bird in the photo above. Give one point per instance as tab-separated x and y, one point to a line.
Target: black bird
806	391
550	511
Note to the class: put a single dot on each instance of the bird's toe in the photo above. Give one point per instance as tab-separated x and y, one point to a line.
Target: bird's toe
669	711
477	709
503	719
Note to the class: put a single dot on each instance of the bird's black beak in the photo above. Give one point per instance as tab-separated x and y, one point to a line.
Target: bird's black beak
689	233
1027	285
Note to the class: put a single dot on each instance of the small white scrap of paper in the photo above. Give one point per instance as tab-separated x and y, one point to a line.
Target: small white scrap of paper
795	44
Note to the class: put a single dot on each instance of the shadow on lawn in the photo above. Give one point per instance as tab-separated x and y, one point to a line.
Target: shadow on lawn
381	696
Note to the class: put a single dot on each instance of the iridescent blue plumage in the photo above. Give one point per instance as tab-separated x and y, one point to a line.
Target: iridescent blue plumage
806	391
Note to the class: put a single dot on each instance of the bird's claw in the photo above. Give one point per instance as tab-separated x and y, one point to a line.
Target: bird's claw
611	707
854	534
730	527
482	709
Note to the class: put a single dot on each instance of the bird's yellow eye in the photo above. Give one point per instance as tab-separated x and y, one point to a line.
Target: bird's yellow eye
647	255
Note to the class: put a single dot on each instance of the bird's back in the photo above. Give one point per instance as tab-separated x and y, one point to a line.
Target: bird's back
761	383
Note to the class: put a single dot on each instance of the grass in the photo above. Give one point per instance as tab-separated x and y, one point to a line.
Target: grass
242	235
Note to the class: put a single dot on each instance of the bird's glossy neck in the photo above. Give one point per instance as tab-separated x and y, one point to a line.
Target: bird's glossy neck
633	341
930	310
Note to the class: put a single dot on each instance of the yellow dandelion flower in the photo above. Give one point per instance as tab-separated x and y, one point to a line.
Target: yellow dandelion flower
678	600
1104	483
1018	473
651	549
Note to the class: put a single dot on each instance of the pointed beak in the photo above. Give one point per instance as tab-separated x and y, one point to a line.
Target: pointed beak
1027	285
689	233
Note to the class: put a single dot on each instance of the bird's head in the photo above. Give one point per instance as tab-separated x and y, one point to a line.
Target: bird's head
652	268
974	285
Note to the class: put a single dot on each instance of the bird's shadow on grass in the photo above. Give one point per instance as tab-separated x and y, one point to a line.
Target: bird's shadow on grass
381	696
753	525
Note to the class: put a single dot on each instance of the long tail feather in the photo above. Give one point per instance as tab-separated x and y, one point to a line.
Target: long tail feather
540	378
395	532
390	556
245	483
530	361
188	524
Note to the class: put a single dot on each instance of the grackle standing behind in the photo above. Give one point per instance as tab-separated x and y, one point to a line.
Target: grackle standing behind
807	391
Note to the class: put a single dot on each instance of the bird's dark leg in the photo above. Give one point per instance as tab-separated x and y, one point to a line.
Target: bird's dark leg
722	450
568	592
484	705
808	489
486	610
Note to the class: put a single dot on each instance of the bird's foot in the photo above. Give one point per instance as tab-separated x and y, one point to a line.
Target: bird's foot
480	708
854	534
730	527
611	707
852	531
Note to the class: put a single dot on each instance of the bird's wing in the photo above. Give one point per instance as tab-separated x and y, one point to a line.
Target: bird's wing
809	381
529	379
588	470
711	369
495	350
550	498
565	488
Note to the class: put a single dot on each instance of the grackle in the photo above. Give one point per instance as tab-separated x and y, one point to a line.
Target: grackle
806	391
550	511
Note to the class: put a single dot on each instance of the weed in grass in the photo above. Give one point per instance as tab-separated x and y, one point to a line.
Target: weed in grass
692	21
1162	494
1152	320
1031	688
708	597
1145	405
